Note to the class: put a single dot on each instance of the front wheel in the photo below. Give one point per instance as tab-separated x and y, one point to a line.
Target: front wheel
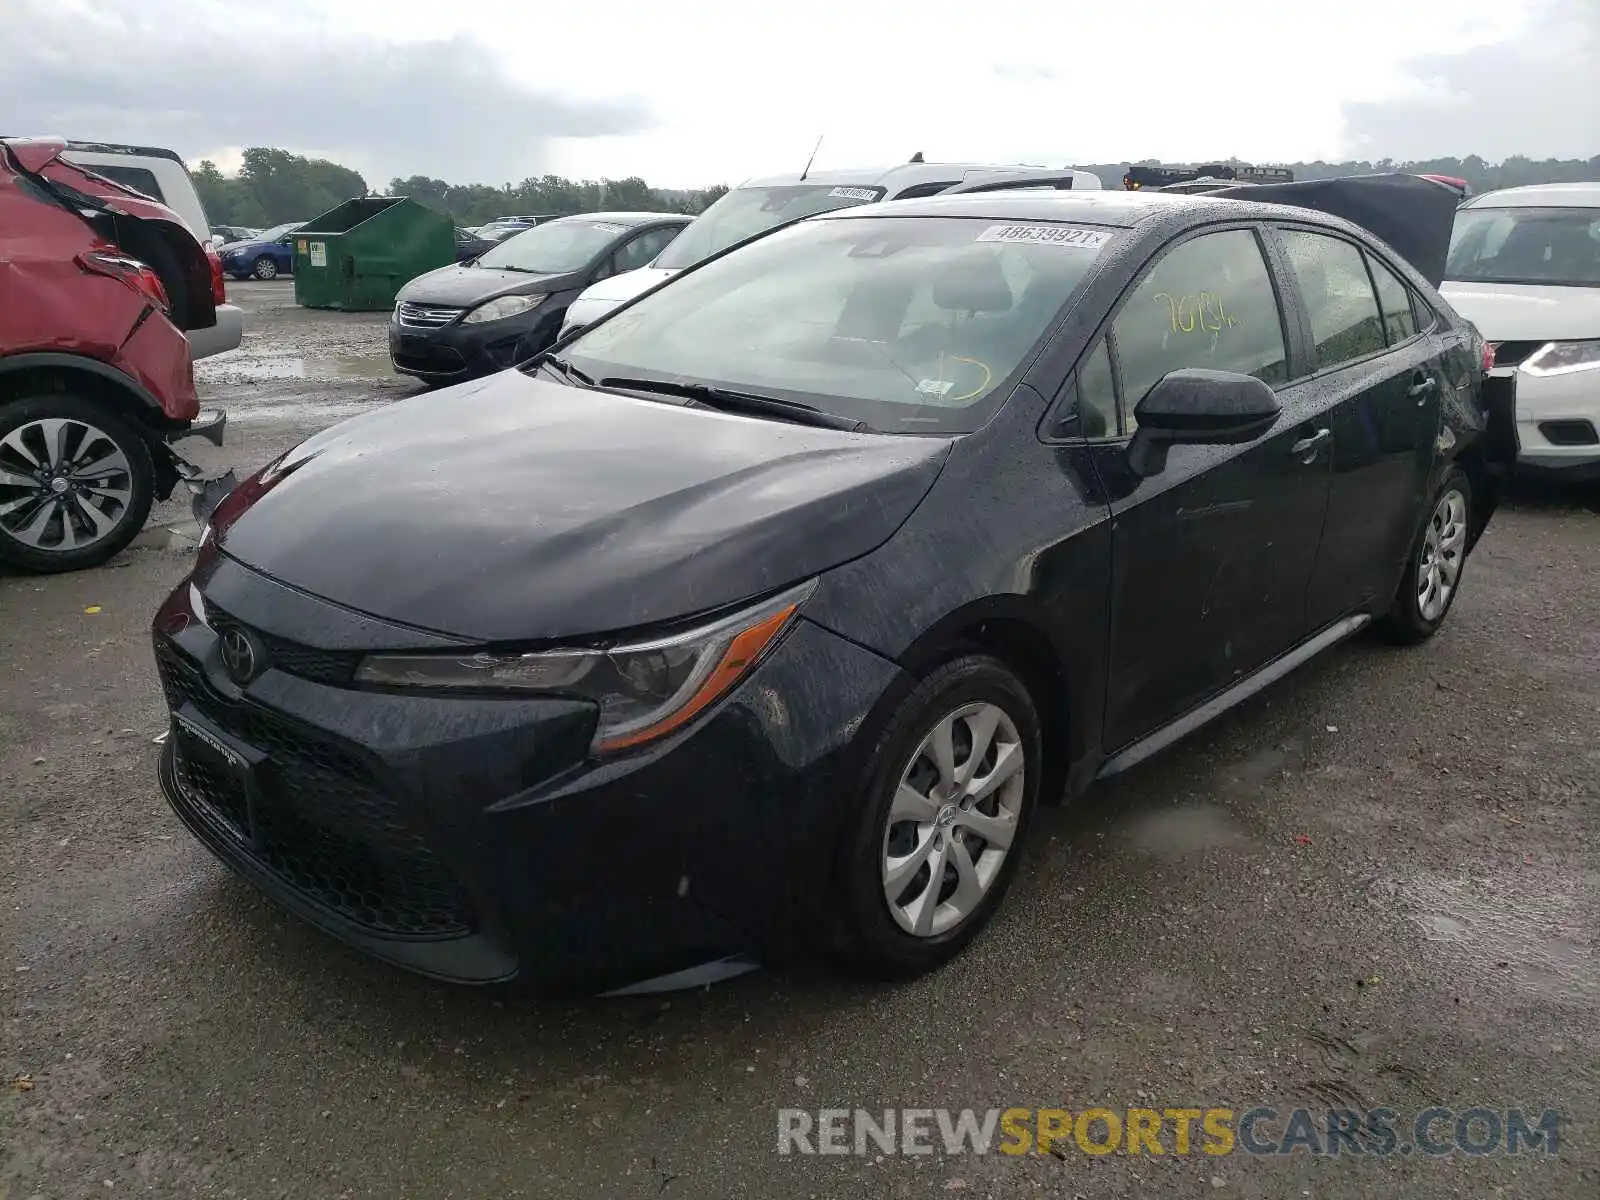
1433	573
76	483
948	791
265	268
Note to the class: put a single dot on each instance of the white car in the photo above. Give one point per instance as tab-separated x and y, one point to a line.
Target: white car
758	206
161	175
1524	268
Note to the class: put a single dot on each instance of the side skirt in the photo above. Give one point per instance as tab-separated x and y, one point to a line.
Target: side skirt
1270	673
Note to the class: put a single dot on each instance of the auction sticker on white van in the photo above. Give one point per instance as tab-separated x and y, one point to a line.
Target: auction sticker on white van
1048	235
319	254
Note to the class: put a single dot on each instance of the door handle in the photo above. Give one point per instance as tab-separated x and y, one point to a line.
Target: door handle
1307	447
1422	388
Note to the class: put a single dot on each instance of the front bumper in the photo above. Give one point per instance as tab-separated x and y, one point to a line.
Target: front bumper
457	352
225	335
471	839
1558	424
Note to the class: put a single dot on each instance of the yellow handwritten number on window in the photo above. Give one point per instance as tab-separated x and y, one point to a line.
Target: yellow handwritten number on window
1203	310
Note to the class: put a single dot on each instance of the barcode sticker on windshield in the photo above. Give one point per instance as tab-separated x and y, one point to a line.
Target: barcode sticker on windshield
849	193
1049	235
608	227
935	387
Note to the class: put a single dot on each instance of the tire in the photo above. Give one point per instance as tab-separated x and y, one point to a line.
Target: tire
264	268
1432	578
51	528
888	936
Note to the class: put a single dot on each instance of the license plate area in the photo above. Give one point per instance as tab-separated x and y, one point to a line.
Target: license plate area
217	773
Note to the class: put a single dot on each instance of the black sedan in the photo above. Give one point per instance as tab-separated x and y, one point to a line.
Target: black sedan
505	304
766	611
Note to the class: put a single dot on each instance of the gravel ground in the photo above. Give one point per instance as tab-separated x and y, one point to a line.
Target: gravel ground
1375	884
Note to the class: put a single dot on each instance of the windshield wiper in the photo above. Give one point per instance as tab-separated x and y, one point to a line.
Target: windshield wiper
563	368
749	403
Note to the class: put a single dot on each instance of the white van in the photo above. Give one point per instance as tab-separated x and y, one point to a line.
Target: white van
759	206
161	175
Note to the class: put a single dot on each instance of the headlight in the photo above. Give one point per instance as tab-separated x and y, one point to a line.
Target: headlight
499	309
1557	358
645	690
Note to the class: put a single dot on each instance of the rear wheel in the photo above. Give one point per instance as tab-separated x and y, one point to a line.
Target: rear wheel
1433	572
947	795
265	268
76	482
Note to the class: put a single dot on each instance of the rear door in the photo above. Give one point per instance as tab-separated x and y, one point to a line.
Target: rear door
1211	556
1382	380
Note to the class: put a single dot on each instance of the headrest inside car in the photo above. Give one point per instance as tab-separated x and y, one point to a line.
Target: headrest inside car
973	283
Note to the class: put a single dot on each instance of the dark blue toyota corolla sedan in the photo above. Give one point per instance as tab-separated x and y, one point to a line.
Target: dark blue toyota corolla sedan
764	613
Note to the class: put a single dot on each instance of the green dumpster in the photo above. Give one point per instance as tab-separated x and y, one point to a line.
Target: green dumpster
357	256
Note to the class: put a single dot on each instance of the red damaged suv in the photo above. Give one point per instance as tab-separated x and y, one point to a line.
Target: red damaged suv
98	284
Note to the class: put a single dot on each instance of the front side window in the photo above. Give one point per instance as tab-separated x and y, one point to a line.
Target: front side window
1559	246
1207	303
1338	295
745	212
911	324
552	249
642	251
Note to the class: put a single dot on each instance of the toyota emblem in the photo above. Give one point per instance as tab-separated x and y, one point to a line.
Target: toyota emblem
239	655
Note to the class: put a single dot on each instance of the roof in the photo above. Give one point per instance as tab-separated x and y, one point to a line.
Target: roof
622	218
1122	209
117	148
902	174
1540	195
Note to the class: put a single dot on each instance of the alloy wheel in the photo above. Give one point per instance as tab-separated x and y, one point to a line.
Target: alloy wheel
952	821
1443	550
266	268
64	484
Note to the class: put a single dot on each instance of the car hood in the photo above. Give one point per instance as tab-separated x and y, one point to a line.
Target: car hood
242	247
520	510
1526	312
627	285
463	285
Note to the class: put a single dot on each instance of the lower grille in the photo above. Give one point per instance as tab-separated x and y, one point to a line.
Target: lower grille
1572	432
442	359
320	820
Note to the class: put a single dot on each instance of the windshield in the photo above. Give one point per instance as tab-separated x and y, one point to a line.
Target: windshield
278	231
911	324
552	249
745	212
1526	245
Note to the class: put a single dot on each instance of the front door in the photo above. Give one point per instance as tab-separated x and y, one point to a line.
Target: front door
1384	381
1212	555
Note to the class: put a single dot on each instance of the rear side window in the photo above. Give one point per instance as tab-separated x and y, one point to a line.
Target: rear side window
1394	299
1340	304
1207	303
139	179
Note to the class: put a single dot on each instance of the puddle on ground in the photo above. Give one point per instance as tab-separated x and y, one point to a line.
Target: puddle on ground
302	411
1511	930
354	367
1183	830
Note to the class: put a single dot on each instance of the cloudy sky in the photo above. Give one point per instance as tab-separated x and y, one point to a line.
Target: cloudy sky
704	91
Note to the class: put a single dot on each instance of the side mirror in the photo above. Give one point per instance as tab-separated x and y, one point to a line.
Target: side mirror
1193	406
